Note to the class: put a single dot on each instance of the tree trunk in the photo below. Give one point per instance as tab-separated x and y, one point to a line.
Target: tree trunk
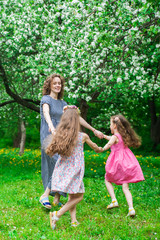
155	123
23	138
84	109
17	137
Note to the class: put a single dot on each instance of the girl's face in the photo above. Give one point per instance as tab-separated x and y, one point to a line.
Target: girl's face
112	126
56	85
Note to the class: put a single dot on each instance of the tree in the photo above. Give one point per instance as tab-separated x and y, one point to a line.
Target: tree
107	50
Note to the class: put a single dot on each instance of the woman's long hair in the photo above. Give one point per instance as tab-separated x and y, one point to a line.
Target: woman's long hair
129	136
66	134
47	85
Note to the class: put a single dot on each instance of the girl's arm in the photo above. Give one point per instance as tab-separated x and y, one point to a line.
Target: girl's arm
47	117
112	141
107	137
86	125
93	145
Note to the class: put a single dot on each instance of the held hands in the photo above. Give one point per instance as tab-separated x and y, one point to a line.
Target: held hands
99	150
98	134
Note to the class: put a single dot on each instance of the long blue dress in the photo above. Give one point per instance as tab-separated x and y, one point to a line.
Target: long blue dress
48	163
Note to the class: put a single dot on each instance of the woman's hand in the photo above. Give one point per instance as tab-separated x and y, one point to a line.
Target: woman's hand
52	130
98	134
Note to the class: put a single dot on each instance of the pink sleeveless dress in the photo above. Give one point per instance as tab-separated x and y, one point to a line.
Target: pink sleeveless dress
69	171
122	166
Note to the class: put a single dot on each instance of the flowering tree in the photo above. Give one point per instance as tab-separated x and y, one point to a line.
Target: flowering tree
107	50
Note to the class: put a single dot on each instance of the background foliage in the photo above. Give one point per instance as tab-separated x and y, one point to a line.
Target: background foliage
108	52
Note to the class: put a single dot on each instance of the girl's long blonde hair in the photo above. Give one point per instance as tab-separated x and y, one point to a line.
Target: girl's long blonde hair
129	136
66	134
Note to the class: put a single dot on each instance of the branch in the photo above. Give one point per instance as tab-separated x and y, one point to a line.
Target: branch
37	102
148	24
94	11
17	99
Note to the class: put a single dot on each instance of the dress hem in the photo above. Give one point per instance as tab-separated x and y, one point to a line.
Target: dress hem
121	183
60	191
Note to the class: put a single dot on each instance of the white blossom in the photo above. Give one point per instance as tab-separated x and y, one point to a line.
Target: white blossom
119	80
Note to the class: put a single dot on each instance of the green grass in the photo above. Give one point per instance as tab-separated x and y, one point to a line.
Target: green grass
22	216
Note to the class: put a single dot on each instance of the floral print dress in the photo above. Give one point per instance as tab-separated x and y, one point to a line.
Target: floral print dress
69	171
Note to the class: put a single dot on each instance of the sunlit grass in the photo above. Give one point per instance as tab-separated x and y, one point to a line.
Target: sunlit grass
22	217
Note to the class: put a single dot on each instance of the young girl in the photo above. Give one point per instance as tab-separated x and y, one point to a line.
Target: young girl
69	170
122	166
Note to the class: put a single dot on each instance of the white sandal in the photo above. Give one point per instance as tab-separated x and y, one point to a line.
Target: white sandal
131	213
53	216
113	205
74	224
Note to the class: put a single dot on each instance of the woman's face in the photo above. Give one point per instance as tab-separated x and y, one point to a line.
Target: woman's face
56	85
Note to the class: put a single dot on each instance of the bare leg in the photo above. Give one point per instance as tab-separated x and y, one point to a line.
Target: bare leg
56	198
110	189
73	213
73	200
128	194
46	193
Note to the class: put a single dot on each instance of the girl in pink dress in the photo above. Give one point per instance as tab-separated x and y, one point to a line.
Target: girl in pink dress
122	166
69	169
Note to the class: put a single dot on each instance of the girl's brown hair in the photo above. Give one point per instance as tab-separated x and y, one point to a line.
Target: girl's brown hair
47	85
66	134
129	136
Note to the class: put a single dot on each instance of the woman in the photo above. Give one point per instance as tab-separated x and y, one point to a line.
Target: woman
51	110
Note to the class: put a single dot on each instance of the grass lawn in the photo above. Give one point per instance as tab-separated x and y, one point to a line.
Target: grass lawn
23	217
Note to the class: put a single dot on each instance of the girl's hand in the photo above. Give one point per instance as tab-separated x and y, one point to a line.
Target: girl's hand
98	134
106	137
99	150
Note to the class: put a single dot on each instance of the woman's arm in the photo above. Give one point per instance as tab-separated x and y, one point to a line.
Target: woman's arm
86	125
93	145
112	140
47	117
